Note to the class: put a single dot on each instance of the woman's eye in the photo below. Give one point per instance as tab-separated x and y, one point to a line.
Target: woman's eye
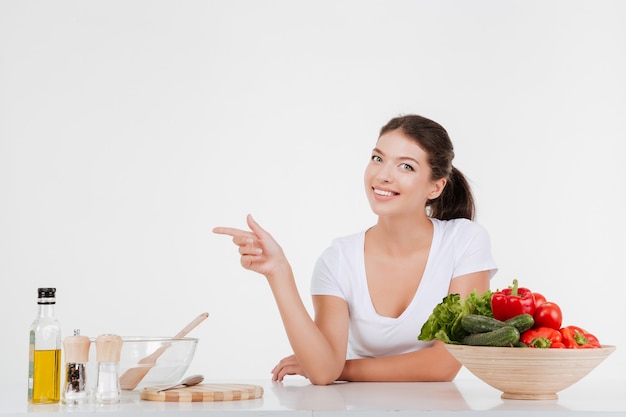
406	167
376	158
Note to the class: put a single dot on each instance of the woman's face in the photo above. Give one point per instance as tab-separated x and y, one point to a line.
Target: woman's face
397	178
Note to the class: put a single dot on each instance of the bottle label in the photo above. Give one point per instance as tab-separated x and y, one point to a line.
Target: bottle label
31	364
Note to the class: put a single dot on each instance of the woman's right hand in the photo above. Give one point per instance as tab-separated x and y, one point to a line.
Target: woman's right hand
258	249
287	366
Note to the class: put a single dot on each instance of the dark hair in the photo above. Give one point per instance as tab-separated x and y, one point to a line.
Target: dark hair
456	200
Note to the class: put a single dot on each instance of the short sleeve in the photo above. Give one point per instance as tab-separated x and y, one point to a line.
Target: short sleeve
325	274
473	249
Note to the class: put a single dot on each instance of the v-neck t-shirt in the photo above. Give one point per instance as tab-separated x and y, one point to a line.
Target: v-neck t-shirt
459	247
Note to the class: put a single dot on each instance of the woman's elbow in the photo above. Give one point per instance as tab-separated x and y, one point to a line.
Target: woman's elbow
322	377
321	381
448	373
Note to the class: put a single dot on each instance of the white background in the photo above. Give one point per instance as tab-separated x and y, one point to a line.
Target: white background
129	129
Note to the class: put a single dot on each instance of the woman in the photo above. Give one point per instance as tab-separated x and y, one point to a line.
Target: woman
373	290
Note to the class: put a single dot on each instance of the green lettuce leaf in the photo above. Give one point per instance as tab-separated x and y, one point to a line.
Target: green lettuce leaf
444	323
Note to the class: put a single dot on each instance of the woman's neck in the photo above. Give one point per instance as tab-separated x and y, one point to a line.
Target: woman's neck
401	236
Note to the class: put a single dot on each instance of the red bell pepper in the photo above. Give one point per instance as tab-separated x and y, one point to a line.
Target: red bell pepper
542	337
511	302
576	338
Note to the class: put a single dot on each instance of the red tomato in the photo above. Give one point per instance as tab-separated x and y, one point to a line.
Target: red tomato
549	315
539	299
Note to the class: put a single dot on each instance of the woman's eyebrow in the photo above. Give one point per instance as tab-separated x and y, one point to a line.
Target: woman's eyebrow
401	158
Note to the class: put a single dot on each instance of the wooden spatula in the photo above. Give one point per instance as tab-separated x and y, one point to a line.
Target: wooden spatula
133	376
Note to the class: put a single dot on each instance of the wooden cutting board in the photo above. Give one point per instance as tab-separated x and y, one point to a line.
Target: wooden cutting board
203	392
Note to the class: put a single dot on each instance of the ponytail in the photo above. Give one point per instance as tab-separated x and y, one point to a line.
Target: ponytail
456	200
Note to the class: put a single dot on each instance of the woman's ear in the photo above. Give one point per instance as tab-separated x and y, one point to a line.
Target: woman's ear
437	188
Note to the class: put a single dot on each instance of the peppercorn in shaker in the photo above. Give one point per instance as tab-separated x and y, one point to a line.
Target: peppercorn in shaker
76	356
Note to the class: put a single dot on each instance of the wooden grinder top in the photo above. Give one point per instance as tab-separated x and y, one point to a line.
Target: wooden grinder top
108	348
76	349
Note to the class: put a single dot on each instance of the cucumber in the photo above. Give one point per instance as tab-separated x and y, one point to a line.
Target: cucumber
502	337
522	322
475	323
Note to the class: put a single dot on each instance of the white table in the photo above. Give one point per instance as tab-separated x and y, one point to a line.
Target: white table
296	397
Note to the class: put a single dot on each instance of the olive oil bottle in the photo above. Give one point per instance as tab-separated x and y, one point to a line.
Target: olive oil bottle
44	364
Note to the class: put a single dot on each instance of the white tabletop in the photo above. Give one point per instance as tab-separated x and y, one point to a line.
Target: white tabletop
297	397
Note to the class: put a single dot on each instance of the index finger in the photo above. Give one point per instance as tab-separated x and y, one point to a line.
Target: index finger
231	231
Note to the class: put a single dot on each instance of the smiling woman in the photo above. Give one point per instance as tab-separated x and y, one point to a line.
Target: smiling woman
373	290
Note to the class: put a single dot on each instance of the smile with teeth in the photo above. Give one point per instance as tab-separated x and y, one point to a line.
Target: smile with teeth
384	193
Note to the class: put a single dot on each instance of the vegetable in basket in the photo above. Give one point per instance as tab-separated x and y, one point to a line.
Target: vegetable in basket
444	323
542	337
576	338
512	301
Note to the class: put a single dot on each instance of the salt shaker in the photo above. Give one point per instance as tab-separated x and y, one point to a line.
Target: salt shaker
76	356
108	349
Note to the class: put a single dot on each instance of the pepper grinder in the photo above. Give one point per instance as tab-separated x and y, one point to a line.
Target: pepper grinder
76	356
108	349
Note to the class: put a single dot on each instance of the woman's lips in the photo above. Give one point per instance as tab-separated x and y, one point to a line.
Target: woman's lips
384	193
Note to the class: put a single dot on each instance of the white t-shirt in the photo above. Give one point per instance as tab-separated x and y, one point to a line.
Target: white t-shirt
459	247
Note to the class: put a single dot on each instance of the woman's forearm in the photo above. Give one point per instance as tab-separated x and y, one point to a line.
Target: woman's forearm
312	349
433	364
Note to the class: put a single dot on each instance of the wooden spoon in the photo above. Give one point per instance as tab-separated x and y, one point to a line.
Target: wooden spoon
187	382
133	376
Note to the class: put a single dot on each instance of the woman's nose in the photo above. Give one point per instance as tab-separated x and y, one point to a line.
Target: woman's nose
384	174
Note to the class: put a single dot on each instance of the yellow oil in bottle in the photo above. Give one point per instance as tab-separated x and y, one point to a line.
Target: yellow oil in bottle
46	381
44	353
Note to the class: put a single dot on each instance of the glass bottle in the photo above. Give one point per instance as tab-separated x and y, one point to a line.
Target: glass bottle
44	367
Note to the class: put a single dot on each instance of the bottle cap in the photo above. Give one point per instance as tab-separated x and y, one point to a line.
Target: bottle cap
108	348
46	295
76	349
46	292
